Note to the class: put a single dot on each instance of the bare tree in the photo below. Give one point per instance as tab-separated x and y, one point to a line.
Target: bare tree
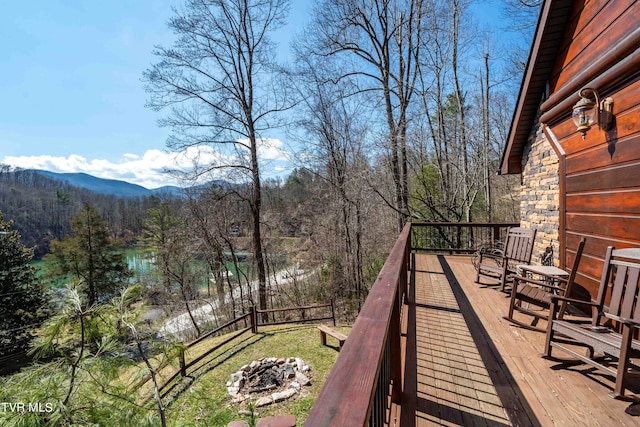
217	82
447	157
521	17
167	236
467	199
336	132
380	43
216	244
522	14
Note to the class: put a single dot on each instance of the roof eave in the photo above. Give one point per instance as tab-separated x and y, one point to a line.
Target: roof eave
534	83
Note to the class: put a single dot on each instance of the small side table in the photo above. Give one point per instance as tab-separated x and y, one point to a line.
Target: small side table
548	271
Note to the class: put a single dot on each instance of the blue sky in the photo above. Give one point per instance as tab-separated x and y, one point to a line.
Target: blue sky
70	82
71	97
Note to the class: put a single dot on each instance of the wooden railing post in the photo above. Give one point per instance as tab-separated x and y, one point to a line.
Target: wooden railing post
333	313
183	364
254	319
395	326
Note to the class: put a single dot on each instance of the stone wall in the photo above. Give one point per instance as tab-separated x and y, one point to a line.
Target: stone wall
540	200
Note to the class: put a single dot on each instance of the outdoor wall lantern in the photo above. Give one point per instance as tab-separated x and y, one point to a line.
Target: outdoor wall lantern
589	110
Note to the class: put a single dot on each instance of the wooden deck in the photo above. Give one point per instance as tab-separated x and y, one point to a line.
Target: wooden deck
464	365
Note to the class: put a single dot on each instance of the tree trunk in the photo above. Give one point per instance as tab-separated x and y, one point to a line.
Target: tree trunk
186	303
256	206
76	363
156	388
485	147
466	202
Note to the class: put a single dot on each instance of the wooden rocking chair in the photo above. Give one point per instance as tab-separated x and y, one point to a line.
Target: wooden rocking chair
517	250
613	327
527	292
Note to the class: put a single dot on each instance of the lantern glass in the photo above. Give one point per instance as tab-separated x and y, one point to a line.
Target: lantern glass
584	114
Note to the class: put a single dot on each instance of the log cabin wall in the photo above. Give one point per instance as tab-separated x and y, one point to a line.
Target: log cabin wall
599	177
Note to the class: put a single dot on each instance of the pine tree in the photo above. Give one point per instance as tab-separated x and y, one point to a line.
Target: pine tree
21	294
91	256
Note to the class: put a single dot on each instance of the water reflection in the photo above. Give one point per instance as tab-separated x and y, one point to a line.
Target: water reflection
141	262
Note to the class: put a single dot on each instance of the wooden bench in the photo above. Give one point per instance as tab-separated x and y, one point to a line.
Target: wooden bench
325	330
277	421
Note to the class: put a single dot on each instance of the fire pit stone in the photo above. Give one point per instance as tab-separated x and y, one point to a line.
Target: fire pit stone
269	379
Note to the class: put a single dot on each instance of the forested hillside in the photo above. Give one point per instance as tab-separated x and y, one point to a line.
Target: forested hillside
42	207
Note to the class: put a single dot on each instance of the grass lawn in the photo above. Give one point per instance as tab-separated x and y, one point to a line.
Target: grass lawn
201	398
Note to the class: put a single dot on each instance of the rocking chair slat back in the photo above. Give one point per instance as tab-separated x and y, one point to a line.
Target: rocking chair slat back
620	278
519	246
624	286
518	250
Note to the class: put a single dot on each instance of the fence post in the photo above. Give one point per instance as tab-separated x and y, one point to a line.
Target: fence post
333	312
183	364
254	319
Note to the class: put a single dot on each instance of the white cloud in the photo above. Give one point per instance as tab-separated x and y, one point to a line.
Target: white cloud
272	149
150	169
268	149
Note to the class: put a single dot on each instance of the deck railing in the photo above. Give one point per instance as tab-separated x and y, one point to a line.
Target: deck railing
367	373
456	237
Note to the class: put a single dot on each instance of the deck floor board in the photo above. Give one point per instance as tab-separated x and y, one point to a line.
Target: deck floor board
464	365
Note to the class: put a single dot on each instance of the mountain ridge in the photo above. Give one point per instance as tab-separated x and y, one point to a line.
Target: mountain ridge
109	186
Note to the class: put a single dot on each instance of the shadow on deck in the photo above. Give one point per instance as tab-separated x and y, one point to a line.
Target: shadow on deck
465	365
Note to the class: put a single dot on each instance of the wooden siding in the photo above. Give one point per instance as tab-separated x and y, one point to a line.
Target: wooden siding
601	197
593	28
601	184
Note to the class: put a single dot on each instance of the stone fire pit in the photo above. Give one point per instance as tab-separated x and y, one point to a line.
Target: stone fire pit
269	380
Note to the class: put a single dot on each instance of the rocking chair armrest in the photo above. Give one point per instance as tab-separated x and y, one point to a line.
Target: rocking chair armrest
555	298
625	320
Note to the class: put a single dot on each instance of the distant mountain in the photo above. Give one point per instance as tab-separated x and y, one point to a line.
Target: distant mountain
171	190
109	186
